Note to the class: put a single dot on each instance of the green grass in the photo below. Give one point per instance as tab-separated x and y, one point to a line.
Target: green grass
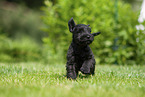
36	80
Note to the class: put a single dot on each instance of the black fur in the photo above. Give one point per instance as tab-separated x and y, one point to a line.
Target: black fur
80	56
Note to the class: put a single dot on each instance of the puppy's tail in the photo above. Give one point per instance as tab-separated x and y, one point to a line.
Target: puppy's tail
95	34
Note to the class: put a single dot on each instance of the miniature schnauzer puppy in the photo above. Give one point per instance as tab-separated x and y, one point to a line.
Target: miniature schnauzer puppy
80	56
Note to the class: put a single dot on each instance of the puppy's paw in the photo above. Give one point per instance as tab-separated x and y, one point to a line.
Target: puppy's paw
85	71
71	76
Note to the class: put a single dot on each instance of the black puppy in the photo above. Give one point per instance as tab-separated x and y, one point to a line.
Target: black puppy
79	55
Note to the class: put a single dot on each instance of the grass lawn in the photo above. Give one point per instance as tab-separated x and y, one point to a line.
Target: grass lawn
36	80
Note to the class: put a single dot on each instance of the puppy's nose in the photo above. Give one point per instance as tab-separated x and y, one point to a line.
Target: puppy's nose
88	36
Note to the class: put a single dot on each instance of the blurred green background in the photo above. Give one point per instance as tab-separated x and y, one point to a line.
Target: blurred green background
37	31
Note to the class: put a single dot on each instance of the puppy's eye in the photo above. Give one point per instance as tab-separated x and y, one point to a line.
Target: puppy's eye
89	30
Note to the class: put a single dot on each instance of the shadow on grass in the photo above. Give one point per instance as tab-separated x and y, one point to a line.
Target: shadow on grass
83	76
63	76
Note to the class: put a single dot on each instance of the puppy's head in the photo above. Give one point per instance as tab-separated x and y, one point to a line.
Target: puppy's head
81	33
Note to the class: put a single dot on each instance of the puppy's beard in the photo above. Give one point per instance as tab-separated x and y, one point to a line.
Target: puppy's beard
86	42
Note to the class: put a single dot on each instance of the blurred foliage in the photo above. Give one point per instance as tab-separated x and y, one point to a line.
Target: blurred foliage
130	1
117	43
20	33
35	4
21	50
18	21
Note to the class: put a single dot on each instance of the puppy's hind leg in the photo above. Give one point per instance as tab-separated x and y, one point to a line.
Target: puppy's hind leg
92	69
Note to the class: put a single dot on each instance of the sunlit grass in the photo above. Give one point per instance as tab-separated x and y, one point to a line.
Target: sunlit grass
37	80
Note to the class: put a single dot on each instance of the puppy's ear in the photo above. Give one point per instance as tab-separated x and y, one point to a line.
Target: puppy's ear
95	34
71	24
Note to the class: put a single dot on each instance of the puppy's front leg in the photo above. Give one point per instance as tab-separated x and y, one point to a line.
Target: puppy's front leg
87	65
